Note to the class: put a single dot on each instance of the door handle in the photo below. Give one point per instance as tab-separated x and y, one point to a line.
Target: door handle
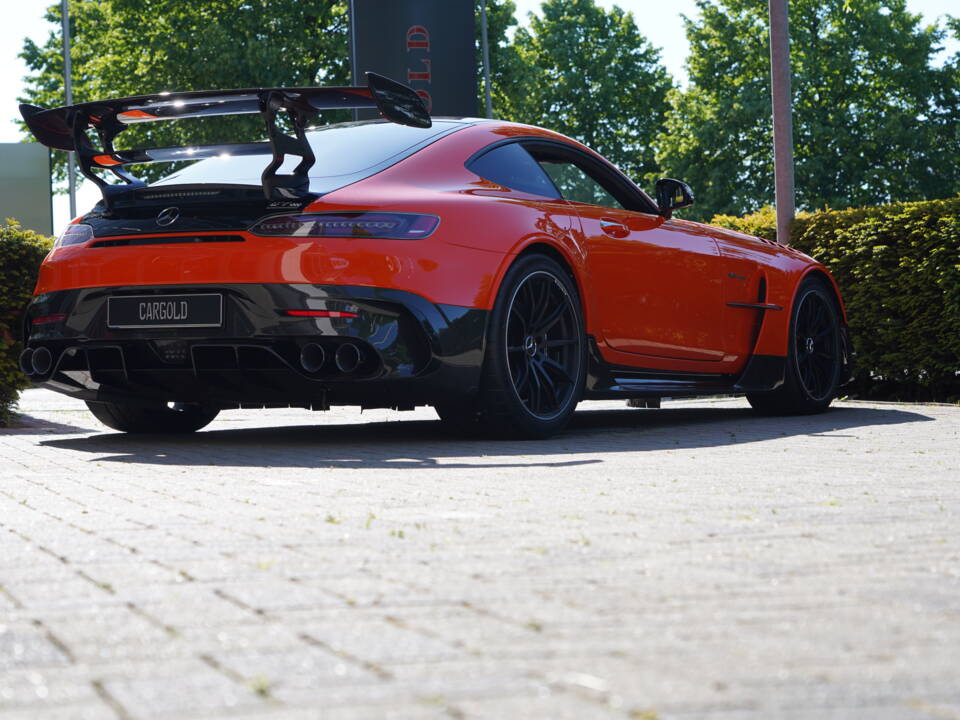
614	228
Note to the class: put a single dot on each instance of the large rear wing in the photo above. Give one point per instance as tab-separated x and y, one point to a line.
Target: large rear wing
66	128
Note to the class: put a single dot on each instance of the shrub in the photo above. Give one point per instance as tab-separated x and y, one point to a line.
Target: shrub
762	223
21	252
898	267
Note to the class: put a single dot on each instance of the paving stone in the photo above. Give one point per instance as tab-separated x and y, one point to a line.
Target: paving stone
27	646
695	561
380	641
196	690
43	688
562	706
93	710
304	668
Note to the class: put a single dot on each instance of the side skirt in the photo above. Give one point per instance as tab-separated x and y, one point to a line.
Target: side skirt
614	382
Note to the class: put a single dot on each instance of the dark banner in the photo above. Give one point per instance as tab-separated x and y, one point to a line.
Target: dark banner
426	44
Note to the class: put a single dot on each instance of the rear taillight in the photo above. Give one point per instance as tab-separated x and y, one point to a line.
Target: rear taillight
383	225
44	319
75	234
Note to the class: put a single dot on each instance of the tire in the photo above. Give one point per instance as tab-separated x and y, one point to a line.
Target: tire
814	361
135	418
534	367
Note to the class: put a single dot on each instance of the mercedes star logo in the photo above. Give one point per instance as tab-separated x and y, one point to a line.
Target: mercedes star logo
168	216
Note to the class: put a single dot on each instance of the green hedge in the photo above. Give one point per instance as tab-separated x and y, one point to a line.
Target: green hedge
898	267
21	252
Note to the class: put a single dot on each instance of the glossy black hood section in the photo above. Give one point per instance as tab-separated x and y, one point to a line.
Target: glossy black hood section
198	208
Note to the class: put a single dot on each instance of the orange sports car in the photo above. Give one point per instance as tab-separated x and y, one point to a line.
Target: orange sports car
496	271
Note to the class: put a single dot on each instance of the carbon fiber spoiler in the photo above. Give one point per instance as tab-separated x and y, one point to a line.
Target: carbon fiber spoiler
66	128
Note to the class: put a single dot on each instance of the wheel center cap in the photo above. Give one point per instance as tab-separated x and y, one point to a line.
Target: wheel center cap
530	345
809	346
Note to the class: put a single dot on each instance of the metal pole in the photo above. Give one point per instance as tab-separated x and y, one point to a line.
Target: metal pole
486	56
68	83
782	117
354	71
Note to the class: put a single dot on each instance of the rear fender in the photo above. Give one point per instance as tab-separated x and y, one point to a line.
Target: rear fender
564	250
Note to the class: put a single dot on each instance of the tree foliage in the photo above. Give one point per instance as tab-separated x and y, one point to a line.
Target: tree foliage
135	47
204	44
874	121
504	61
946	109
590	74
868	121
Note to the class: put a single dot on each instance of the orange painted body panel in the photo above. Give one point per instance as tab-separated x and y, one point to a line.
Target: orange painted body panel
653	298
655	287
434	268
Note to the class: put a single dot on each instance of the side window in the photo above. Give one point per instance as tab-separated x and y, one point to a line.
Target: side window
576	185
511	166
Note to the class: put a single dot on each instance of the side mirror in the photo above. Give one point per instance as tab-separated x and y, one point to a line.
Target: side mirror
672	195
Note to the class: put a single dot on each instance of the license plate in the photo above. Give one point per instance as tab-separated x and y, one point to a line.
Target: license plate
167	311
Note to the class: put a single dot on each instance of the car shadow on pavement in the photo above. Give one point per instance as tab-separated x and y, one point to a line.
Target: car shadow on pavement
422	444
30	425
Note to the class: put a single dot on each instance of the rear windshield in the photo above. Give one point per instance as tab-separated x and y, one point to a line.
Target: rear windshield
345	153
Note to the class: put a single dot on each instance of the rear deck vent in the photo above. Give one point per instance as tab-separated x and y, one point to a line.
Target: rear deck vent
167	240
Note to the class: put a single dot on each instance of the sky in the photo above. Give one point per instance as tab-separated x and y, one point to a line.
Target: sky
659	21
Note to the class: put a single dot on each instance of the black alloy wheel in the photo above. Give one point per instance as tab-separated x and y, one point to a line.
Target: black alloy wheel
816	346
544	344
814	360
534	366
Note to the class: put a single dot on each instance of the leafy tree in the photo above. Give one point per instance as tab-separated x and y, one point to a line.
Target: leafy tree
134	47
590	74
869	125
504	61
946	110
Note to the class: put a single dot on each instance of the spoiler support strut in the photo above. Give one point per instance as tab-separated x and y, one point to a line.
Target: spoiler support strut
107	130
297	183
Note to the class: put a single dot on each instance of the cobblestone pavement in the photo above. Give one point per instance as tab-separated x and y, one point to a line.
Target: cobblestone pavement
689	562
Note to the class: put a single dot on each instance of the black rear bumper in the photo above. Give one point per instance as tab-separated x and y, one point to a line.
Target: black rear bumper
411	351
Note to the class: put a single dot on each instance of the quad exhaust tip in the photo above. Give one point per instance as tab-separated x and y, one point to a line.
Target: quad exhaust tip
42	361
312	357
26	361
347	358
